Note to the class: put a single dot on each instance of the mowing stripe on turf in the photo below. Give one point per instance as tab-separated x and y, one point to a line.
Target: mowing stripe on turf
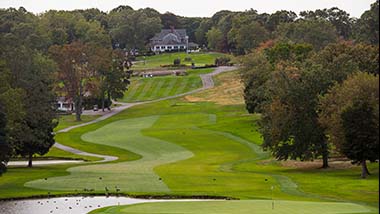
134	176
169	88
160	83
146	89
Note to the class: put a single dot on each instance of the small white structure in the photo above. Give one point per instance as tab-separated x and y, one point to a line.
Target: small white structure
64	104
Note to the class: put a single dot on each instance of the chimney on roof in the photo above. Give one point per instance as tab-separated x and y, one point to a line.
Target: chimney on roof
172	28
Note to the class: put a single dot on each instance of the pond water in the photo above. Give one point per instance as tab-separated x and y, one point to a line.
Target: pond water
68	205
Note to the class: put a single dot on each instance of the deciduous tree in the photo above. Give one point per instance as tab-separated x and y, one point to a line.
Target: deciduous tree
361	133
318	33
357	89
367	27
215	39
4	146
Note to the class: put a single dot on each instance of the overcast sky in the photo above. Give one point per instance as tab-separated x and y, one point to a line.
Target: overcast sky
194	8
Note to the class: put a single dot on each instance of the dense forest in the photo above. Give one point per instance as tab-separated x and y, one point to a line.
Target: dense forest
293	63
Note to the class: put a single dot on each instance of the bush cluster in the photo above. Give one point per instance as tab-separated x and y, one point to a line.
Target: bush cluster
223	61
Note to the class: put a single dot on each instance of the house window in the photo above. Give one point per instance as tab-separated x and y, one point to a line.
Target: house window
162	47
169	47
175	47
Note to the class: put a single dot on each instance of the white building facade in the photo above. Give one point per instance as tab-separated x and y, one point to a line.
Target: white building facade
170	40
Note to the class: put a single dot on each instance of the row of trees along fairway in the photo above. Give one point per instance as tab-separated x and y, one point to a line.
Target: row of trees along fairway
315	84
285	82
57	53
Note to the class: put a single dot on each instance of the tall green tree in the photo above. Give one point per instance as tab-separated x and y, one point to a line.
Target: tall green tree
132	29
367	27
169	20
13	113
318	33
116	79
250	36
74	71
290	122
215	39
340	19
200	33
4	147
361	134
359	88
279	17
27	93
40	112
256	73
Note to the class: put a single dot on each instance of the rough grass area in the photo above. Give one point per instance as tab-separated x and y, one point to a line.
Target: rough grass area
200	59
241	207
228	91
144	89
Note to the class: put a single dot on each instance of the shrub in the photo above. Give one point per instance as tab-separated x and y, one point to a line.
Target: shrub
205	66
223	61
89	102
188	59
177	61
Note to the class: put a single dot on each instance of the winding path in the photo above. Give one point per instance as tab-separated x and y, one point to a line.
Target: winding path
207	83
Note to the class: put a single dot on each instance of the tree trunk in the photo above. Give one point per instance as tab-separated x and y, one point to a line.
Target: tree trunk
103	100
325	156
78	109
30	159
109	100
78	103
365	171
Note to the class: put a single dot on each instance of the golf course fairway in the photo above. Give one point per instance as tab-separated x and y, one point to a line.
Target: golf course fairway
194	149
134	176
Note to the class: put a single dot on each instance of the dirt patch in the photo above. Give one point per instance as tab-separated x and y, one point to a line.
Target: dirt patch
228	91
334	164
316	164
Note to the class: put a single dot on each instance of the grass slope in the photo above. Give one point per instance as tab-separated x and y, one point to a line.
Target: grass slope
241	207
226	158
200	59
65	121
135	176
144	89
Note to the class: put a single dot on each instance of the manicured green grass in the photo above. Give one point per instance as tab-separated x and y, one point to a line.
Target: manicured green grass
143	89
135	176
196	148
65	121
200	59
12	182
241	207
55	153
224	163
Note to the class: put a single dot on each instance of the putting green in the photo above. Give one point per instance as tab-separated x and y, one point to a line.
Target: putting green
134	176
241	207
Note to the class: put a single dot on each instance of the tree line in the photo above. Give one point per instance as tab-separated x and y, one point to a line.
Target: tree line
55	54
318	95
